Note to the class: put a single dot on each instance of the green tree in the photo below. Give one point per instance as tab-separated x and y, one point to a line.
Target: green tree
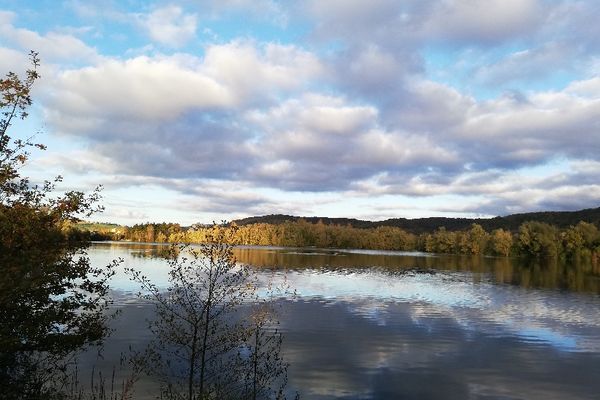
442	241
52	301
538	239
581	238
572	241
590	235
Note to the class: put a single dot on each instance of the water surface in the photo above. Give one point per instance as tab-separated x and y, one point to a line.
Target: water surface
381	325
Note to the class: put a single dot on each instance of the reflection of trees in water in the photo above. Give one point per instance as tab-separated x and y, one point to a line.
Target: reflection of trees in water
579	274
152	251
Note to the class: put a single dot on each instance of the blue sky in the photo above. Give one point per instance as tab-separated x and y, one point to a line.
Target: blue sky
193	111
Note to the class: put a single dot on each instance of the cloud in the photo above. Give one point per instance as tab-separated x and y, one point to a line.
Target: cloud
318	156
141	87
400	24
98	9
170	26
535	132
196	195
263	71
482	21
165	87
375	72
497	192
200	195
343	15
270	10
589	88
178	116
428	107
116	213
562	198
182	117
13	60
575	22
53	46
530	65
323	143
412	98
7	17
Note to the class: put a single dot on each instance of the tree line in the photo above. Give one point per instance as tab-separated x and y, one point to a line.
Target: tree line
532	238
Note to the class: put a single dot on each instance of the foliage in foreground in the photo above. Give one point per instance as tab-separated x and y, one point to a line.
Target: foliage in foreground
52	301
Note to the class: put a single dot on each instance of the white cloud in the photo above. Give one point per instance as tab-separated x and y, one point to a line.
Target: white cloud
544	127
13	60
264	71
7	17
171	26
589	88
165	87
52	47
141	87
314	112
394	149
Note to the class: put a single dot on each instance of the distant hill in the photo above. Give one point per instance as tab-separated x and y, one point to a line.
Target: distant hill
97	226
560	219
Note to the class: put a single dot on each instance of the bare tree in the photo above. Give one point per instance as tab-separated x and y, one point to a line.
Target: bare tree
213	336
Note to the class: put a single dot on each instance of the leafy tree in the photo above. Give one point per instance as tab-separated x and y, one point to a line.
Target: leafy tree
478	238
501	242
52	301
572	241
581	238
538	239
442	241
590	235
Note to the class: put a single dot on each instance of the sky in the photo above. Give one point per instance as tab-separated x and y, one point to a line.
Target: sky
207	110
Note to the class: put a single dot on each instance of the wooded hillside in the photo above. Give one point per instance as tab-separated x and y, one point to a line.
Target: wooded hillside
560	219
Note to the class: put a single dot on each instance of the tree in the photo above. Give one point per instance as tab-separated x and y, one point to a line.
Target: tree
52	301
478	238
538	239
205	346
583	238
501	242
441	241
572	241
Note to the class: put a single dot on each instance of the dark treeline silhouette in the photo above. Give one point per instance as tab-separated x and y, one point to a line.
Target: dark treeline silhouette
560	219
531	238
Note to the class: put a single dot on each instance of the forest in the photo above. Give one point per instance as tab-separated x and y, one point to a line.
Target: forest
530	238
